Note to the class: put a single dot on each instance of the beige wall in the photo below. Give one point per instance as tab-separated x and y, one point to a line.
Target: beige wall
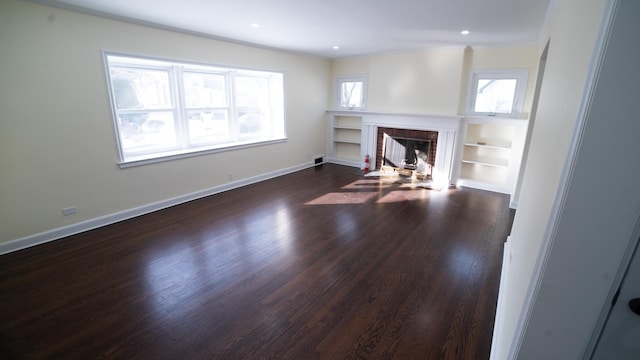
521	57
432	81
358	65
56	132
420	82
572	41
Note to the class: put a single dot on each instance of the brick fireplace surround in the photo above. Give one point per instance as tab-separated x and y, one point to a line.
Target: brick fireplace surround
407	134
441	130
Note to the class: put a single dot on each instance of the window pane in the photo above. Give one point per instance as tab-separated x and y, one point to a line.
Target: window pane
140	89
251	91
204	90
206	127
146	131
252	100
252	122
495	95
351	94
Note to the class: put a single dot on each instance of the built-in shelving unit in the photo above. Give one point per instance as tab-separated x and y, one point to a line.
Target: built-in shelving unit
491	153
345	138
482	152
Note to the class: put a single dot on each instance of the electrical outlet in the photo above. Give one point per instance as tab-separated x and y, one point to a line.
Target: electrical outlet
69	210
230	176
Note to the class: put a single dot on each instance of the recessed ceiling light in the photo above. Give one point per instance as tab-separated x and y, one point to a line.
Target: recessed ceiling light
464	32
254	25
336	47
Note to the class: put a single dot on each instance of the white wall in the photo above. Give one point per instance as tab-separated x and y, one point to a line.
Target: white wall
57	144
595	229
574	29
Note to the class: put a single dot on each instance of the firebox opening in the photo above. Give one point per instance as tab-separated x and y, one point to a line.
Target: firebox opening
427	142
406	155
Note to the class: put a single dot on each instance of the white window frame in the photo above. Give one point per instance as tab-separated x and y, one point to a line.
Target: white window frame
185	147
520	75
338	91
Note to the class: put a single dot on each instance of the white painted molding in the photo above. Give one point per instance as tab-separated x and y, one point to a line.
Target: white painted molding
481	185
394	114
62	232
496	347
344	162
513	204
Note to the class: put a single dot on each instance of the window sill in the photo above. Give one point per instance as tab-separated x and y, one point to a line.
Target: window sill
182	154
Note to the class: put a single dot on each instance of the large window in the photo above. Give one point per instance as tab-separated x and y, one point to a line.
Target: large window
497	92
166	109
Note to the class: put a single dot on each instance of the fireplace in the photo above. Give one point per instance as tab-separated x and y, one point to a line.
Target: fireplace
412	152
439	131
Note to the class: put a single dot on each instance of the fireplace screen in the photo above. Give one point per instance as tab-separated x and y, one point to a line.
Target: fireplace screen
406	153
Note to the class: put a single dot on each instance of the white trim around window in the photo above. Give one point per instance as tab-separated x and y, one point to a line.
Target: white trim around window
351	92
165	109
497	92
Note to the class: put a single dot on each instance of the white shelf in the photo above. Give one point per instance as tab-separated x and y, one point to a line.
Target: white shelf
344	141
474	173
490	153
487	162
482	185
345	136
346	127
489	145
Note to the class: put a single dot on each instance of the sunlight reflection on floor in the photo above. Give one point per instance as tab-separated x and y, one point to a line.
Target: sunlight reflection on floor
337	198
404	195
407	191
367	184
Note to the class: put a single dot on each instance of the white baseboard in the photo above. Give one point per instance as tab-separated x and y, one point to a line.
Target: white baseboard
482	186
498	349
58	233
513	201
352	163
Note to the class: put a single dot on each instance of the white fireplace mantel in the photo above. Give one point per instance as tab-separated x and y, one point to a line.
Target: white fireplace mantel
482	152
446	126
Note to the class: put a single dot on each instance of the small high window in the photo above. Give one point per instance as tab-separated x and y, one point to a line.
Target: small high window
351	93
497	92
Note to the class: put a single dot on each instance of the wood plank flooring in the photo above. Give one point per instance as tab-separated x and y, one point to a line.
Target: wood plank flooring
320	264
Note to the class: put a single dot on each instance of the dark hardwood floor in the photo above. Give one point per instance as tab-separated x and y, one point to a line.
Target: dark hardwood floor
320	264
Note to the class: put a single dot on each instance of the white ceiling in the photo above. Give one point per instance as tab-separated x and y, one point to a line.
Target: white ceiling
356	26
